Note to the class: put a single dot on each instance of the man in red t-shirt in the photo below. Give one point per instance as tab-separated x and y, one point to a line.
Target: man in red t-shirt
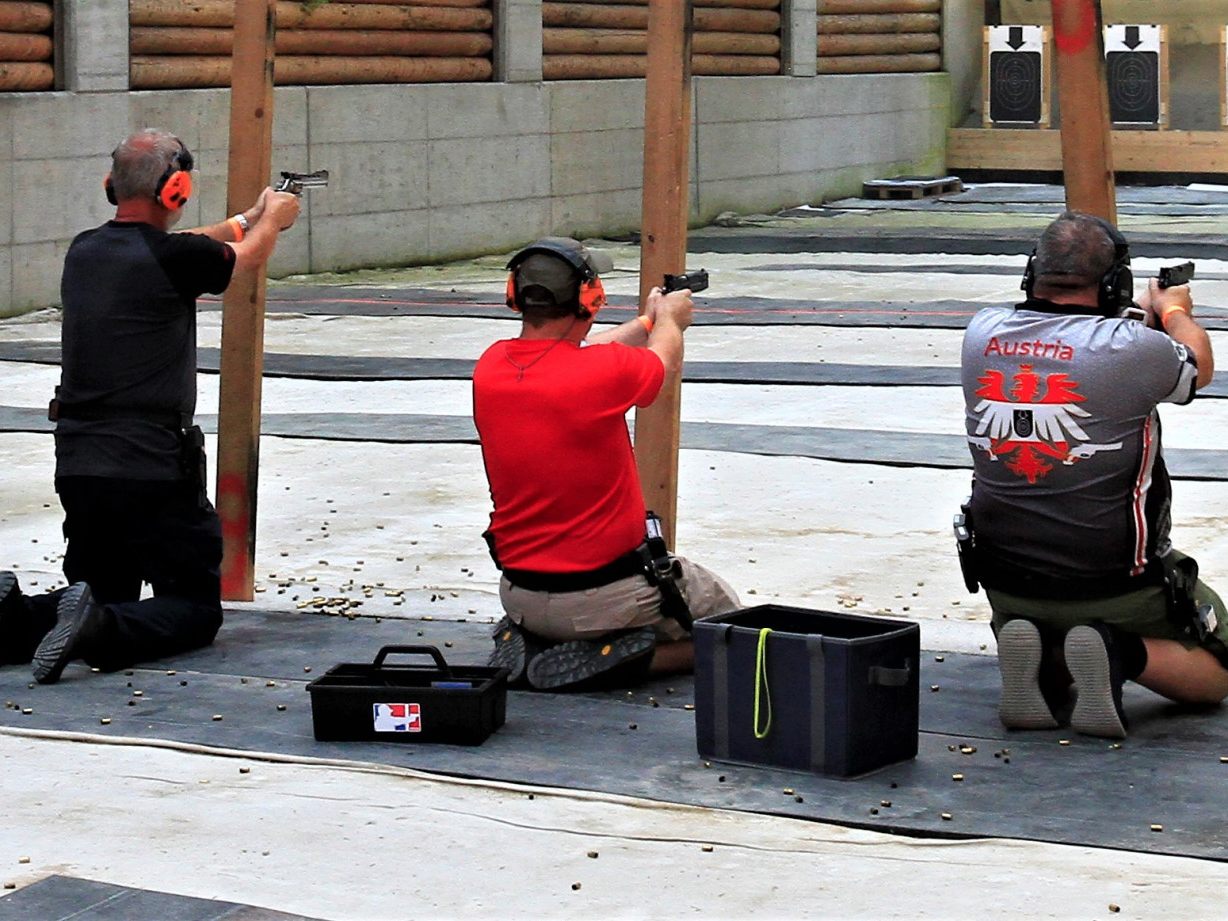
568	527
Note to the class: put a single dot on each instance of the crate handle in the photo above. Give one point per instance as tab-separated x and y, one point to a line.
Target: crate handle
891	677
432	651
761	684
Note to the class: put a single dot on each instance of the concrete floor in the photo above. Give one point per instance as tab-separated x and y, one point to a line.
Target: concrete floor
338	841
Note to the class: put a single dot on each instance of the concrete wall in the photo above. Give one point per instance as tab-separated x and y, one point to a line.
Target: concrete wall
427	173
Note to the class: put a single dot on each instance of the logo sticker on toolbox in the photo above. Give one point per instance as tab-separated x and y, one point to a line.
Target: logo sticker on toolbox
398	717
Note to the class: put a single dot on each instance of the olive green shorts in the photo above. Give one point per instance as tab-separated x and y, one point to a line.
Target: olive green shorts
1144	612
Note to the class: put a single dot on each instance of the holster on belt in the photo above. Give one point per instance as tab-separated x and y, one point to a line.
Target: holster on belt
193	463
1195	621
663	571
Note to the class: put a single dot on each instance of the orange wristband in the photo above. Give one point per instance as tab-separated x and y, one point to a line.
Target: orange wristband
1170	309
647	321
236	228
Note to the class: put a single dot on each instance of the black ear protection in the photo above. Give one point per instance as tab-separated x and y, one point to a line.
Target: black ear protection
174	188
591	296
1115	290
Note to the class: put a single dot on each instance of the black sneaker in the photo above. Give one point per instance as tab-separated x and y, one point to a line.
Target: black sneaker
11	613
1022	704
612	661
514	649
1097	675
78	619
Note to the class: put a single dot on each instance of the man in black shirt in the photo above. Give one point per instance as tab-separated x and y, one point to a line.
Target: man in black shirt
129	464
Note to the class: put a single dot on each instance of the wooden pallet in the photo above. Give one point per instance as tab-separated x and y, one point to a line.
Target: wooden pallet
911	188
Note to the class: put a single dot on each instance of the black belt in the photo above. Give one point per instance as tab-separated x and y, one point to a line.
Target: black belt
629	564
1014	580
96	412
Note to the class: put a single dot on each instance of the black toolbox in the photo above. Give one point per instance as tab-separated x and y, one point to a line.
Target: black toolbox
815	691
376	702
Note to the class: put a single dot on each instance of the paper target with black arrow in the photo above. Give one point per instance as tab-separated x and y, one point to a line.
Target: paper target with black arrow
1135	68
1017	76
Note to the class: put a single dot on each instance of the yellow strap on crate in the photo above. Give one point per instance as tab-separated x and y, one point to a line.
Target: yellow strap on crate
761	685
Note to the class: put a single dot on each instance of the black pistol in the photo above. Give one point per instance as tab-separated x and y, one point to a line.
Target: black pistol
297	182
694	281
1173	275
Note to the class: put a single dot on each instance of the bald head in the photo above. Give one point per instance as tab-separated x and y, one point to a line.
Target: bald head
140	161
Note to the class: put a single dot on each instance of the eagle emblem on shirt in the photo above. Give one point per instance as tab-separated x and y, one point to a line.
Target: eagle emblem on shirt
1032	421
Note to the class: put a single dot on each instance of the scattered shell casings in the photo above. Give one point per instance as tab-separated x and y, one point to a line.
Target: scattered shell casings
575	887
688	706
707	849
798	799
934	687
940	658
1114	908
27	710
1223	759
967	749
281	706
1114	746
885	802
1157	827
1063	741
946	817
788	791
633	726
270	684
592	855
217	717
245	770
873	810
23	859
105	720
957	777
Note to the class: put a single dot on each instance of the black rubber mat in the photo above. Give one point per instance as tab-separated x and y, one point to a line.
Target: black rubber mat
929	239
66	898
709	311
924	268
642	743
857	446
375	368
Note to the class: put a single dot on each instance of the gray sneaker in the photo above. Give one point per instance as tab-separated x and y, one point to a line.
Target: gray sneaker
1097	675
1022	705
77	621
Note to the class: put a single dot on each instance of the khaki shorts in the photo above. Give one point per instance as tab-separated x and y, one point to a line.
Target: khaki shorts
621	605
1144	612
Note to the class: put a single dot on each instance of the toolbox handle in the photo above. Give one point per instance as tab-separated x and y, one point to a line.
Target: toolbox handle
432	651
891	677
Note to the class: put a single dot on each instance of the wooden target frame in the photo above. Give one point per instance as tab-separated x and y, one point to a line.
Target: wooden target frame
1020	39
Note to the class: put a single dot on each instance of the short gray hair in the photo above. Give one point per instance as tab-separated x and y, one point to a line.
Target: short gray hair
140	161
1075	251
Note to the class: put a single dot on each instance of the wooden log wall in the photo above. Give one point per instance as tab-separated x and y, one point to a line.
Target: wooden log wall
25	46
879	36
179	45
599	39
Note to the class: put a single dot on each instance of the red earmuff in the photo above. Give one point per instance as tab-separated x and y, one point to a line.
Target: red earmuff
592	296
511	291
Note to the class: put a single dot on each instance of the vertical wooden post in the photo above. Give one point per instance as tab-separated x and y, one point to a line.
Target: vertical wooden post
667	137
251	152
1087	152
